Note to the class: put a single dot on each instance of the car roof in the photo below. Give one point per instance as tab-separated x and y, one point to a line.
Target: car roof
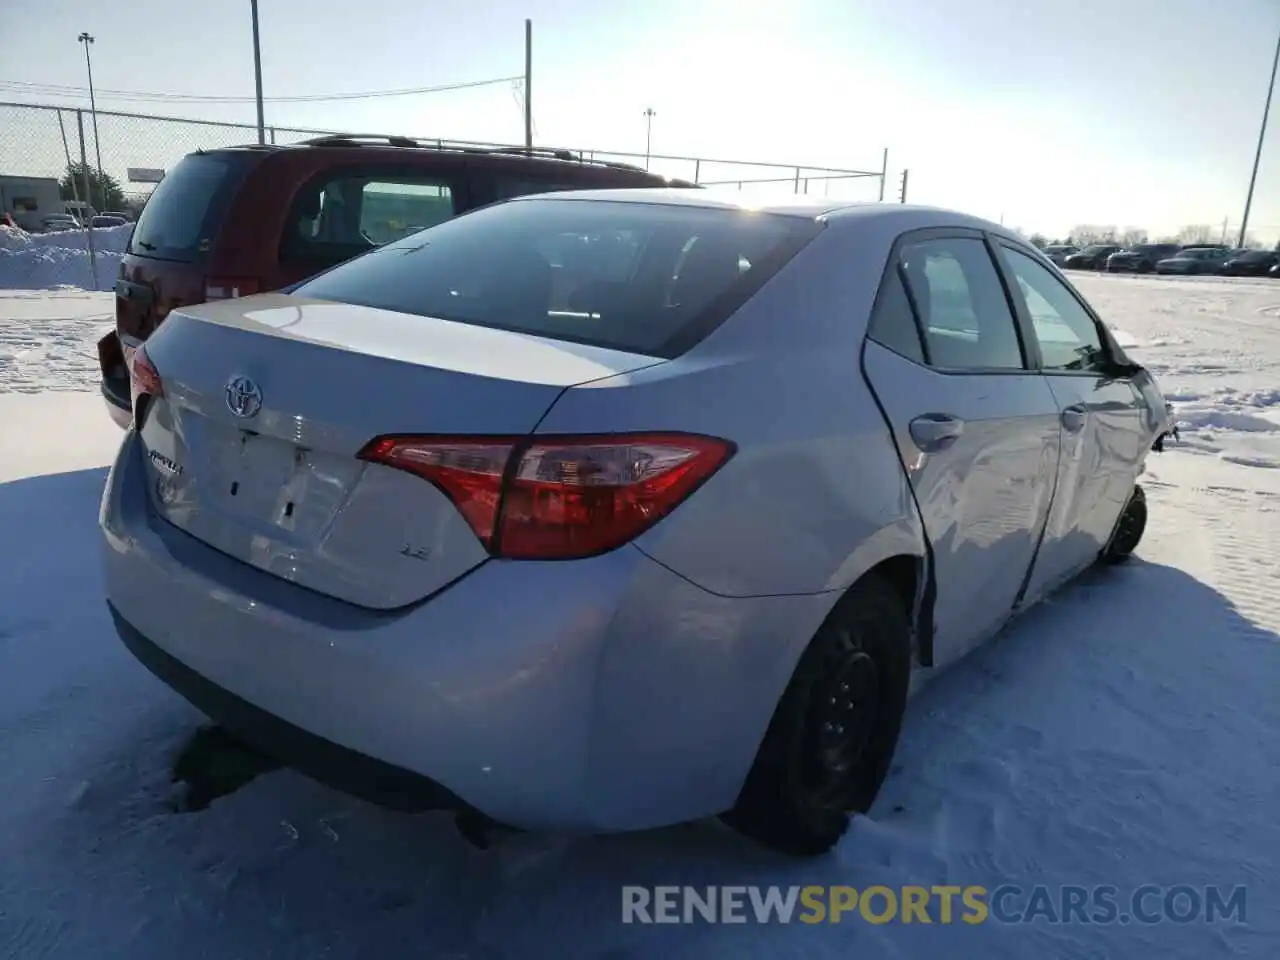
908	216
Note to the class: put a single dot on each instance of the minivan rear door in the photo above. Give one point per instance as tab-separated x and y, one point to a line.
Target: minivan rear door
166	262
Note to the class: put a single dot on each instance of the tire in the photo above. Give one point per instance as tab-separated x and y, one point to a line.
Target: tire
810	773
1129	529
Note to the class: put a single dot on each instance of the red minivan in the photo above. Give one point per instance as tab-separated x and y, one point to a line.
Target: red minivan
240	220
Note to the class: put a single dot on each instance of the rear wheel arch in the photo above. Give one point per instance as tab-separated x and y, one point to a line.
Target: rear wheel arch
775	806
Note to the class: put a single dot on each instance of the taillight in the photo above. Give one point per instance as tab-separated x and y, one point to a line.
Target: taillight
558	498
144	379
230	288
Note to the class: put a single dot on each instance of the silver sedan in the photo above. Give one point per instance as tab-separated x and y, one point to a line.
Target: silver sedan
603	511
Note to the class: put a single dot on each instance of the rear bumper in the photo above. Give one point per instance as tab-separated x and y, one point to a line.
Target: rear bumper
115	380
320	759
596	695
115	393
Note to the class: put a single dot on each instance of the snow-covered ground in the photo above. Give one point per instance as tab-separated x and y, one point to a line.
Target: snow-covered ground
1125	733
49	339
50	261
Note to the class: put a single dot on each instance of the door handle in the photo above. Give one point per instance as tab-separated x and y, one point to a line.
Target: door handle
1074	417
935	431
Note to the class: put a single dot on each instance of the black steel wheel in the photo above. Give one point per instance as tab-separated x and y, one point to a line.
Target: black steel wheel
1129	529
833	733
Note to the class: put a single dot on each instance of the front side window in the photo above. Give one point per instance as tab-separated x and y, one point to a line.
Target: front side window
965	315
1068	337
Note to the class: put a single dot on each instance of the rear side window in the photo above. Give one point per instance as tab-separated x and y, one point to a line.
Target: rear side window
343	217
967	322
894	322
183	215
645	278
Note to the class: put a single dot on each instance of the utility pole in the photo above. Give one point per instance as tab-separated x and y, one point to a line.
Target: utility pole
528	84
88	228
902	189
257	71
649	114
1262	133
87	40
884	171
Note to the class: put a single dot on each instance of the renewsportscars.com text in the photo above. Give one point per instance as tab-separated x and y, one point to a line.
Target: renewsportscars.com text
942	904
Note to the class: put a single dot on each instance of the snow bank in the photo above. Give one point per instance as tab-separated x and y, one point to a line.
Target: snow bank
49	261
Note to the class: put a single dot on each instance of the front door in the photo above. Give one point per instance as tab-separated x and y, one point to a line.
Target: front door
976	428
1103	433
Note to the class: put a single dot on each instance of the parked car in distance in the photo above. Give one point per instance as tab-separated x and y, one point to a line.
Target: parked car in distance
1141	257
1250	263
522	516
229	222
1058	252
1194	261
57	222
124	215
107	220
1092	257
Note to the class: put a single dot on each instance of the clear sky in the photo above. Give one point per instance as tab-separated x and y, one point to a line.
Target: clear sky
1047	113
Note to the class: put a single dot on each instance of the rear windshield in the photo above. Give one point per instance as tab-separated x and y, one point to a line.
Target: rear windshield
187	208
641	277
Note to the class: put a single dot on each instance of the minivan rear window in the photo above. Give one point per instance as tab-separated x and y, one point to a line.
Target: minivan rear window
185	211
650	278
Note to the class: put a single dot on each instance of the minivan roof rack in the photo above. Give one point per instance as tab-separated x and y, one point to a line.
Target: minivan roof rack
355	139
555	153
549	153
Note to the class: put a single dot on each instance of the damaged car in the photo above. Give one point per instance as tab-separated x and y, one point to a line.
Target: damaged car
600	511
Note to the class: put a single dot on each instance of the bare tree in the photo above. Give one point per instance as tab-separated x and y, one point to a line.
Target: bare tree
1131	236
1039	241
1196	233
1251	242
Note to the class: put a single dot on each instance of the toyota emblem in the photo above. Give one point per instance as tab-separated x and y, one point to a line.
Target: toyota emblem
244	398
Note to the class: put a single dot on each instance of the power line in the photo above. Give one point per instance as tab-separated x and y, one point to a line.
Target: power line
67	90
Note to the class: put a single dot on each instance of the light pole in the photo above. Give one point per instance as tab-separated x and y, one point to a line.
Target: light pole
87	40
649	114
257	71
1257	156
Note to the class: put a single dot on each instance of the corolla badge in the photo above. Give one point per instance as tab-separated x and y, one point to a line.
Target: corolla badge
244	398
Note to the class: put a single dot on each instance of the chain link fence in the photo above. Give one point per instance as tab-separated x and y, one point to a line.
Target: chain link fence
44	141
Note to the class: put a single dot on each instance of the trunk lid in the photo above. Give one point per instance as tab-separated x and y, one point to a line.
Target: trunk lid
282	489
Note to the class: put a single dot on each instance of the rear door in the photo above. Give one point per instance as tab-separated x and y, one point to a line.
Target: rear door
1104	421
976	428
166	263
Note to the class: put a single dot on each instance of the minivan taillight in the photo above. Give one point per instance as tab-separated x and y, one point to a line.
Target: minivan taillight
558	497
144	379
230	288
